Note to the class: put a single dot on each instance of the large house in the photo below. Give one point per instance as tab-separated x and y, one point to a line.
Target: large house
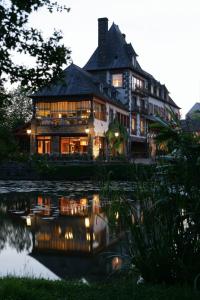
73	115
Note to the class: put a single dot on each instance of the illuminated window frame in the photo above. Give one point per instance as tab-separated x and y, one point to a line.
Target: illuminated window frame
117	80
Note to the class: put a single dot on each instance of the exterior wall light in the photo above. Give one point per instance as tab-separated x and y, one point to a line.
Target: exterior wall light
28	131
87	130
116	134
28	221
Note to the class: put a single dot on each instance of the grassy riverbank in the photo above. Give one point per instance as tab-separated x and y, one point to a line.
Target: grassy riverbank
23	289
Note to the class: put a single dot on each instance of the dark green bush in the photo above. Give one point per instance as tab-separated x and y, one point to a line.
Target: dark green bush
125	289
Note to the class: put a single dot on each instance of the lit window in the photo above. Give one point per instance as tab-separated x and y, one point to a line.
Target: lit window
73	145
142	126
117	80
43	144
133	125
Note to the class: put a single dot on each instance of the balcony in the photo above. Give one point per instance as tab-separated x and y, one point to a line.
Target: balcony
140	109
60	122
140	90
60	126
144	110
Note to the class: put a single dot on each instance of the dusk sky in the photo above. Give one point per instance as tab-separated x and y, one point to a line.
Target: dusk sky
164	33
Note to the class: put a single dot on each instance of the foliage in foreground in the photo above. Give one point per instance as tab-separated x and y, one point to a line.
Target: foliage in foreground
23	289
163	219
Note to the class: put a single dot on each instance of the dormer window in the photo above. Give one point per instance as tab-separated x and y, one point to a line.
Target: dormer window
137	83
117	80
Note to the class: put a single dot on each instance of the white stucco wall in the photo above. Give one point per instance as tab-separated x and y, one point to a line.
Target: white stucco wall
100	127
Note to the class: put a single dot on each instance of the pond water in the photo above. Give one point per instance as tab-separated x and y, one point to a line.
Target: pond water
58	230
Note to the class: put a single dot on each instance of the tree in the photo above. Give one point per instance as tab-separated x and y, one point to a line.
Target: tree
15	35
20	108
117	144
162	215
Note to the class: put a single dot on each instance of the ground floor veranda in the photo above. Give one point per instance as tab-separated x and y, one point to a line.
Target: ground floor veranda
85	145
66	145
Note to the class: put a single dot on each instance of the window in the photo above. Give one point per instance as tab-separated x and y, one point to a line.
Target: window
73	145
133	125
111	115
150	108
43	109
122	119
100	111
137	83
43	144
117	80
64	109
142	126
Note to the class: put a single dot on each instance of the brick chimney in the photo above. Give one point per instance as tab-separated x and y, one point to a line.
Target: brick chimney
102	32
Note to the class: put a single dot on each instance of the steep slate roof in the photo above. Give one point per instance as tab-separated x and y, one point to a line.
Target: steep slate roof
172	103
75	82
118	56
118	53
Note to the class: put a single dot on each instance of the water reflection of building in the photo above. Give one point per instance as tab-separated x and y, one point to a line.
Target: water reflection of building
64	225
72	226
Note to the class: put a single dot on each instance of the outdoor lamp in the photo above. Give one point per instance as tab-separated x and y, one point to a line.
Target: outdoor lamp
87	130
116	134
28	131
28	221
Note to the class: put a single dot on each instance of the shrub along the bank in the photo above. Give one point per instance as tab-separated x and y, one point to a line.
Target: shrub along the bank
23	289
92	171
164	219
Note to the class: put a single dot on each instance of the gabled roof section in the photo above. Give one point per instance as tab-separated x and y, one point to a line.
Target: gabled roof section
172	103
118	53
77	82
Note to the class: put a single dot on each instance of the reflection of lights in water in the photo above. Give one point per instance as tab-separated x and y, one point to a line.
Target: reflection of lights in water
117	215
96	204
83	201
59	230
87	236
133	219
116	263
28	220
95	244
69	235
142	217
87	222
